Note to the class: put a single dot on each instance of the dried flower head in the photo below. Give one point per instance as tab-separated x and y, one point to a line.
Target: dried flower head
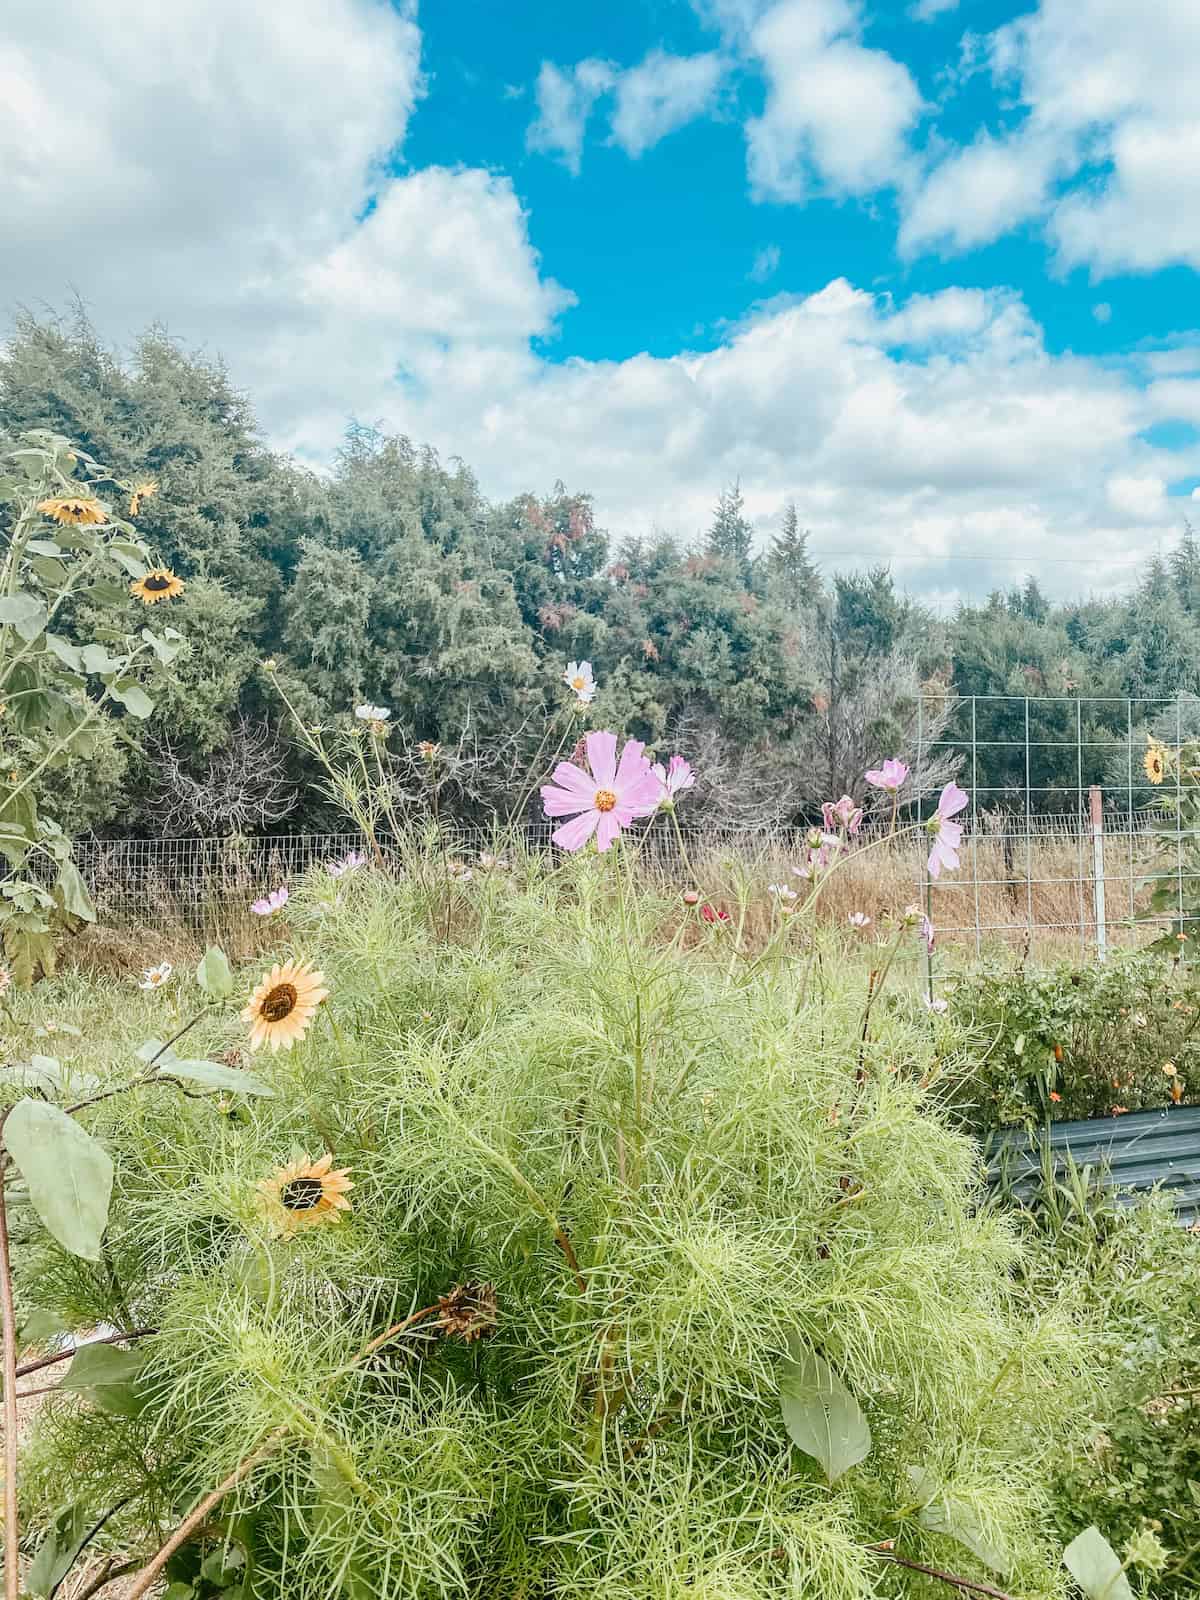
79	509
144	489
469	1311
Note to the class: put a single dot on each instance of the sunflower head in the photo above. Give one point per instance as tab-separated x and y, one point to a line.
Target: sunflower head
158	584
144	489
73	508
284	1003
305	1194
1155	763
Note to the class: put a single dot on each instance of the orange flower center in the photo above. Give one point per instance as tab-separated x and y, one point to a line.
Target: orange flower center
605	800
577	683
302	1194
280	1003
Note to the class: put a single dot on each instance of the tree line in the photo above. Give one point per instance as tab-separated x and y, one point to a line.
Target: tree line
392	579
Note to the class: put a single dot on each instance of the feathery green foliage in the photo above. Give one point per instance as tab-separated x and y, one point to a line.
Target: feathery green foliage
672	1176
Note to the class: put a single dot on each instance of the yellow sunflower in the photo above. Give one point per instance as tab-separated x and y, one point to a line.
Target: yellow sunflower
1154	761
73	508
305	1194
160	584
283	1005
145	489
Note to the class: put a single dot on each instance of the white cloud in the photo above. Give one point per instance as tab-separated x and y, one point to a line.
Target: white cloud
836	115
766	263
979	192
565	97
661	94
928	10
1140	498
275	233
1102	312
1109	91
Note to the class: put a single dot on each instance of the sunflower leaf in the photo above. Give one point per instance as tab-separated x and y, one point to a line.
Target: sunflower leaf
57	1552
214	1076
108	1377
76	901
25	613
69	1174
957	1519
132	696
1096	1567
66	652
213	974
820	1414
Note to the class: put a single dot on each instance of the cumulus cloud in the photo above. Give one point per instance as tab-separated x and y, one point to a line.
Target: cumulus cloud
836	115
277	233
565	97
1108	152
661	94
929	10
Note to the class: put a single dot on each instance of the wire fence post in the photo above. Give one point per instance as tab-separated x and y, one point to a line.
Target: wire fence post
1096	804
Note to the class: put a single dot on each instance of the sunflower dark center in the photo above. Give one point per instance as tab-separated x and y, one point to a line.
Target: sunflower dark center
157	582
280	1003
301	1194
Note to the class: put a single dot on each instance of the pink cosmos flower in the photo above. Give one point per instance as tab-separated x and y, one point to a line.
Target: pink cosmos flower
713	914
677	775
269	904
348	863
604	800
889	776
928	933
937	1004
946	835
842	813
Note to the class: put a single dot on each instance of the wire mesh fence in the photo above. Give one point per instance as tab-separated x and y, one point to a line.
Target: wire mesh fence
1059	847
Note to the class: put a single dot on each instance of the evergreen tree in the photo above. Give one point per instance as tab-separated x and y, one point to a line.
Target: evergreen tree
730	535
793	580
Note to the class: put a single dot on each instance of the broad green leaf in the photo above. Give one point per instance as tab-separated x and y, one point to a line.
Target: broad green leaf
69	1175
214	1076
64	650
52	573
43	547
213	974
154	1048
132	696
820	1414
40	1327
106	594
25	613
1096	1567
97	659
957	1519
57	1551
128	556
76	900
108	1376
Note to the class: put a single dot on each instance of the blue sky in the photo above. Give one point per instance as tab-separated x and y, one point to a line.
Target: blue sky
925	268
660	249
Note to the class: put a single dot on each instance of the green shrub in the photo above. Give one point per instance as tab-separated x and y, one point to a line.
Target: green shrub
677	1174
1038	1044
1136	1276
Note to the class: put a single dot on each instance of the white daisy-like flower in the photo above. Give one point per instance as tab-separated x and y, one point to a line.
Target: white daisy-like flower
155	977
580	677
938	1005
369	713
781	891
859	919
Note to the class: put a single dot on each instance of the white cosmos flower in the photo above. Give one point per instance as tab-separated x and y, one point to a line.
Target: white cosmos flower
155	977
581	679
369	713
859	919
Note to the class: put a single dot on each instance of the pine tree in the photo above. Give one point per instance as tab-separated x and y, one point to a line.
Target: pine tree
730	534
793	579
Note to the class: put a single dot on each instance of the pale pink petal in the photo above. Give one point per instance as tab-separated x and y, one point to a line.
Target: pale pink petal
602	758
574	779
953	799
633	764
561	803
607	830
643	795
574	835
